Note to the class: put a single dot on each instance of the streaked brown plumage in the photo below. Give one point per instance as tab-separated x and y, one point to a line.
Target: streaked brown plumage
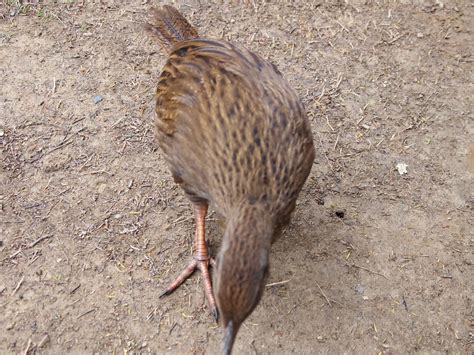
235	136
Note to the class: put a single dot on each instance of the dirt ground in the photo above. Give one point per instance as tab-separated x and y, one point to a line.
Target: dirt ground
93	228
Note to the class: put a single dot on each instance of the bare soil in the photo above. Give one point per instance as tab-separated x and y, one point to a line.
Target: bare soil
93	228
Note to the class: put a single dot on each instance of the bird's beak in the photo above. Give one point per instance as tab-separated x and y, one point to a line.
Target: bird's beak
229	337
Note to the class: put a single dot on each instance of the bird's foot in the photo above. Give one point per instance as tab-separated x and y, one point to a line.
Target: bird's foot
203	265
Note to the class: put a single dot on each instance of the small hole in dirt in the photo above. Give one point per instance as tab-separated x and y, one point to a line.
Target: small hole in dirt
340	214
1	243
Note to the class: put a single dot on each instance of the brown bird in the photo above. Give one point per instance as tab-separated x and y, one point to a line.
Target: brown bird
234	135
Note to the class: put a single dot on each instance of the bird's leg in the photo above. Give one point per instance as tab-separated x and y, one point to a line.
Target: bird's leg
201	259
201	254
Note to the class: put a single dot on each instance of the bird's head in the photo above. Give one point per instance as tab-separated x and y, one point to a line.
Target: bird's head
242	269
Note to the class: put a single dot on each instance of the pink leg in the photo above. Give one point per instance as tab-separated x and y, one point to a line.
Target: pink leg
201	260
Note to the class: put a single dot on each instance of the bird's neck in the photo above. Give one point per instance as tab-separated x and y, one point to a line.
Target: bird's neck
249	229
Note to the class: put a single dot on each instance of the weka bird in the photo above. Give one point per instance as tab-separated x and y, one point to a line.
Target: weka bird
234	135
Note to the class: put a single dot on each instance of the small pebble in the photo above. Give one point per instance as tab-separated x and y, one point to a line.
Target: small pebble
97	99
419	35
402	168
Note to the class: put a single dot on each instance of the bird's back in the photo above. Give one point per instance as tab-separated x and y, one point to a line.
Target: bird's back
231	127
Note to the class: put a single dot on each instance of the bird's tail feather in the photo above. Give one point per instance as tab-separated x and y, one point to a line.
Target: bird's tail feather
170	27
